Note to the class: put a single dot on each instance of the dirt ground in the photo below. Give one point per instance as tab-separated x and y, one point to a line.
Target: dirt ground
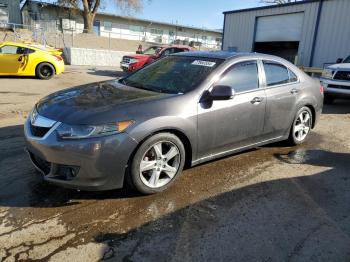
274	203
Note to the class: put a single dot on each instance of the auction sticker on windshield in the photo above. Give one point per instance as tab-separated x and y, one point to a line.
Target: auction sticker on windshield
203	63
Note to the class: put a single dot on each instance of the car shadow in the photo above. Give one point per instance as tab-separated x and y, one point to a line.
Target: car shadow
19	77
292	219
339	106
106	72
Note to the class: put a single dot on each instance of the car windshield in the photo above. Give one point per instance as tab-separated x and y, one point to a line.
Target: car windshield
347	60
173	74
153	50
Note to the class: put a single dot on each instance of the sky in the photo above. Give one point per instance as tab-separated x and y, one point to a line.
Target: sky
198	13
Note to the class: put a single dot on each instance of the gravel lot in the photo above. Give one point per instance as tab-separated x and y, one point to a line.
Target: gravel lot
273	203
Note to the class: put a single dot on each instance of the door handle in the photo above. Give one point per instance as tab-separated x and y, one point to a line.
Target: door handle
257	100
294	91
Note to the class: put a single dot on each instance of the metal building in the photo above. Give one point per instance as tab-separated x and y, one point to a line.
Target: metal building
10	11
311	33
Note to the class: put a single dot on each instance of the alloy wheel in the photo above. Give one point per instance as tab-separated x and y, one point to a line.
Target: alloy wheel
46	71
302	126
160	164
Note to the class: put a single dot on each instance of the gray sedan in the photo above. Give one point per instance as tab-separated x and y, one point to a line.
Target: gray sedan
178	112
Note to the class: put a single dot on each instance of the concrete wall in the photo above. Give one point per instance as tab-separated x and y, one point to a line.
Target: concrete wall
93	57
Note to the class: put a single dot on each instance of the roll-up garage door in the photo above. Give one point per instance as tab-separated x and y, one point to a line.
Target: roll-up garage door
279	28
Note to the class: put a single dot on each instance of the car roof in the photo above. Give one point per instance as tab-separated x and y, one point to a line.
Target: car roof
14	43
226	55
210	54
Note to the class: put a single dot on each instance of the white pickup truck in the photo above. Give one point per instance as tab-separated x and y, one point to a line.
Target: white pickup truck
336	80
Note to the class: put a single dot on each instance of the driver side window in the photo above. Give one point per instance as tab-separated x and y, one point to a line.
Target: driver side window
241	77
9	50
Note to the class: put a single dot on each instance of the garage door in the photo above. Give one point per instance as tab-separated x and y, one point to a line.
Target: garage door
279	28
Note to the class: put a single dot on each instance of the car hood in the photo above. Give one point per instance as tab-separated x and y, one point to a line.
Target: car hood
344	66
140	56
96	103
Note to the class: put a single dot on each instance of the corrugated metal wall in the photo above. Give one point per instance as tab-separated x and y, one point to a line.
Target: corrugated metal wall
333	34
333	38
14	10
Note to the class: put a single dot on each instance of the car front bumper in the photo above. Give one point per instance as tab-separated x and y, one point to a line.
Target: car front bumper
128	67
337	88
91	164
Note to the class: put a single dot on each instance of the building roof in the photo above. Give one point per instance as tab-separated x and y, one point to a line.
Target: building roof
133	18
271	6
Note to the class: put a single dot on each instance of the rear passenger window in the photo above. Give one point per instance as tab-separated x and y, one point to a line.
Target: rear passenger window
241	77
276	74
292	77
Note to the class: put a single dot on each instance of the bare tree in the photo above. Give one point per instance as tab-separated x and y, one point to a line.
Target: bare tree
280	2
89	8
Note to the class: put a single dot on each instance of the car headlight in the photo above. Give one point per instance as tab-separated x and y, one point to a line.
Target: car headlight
133	60
65	131
327	73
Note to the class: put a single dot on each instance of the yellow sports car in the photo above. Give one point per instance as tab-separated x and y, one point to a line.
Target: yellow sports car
29	60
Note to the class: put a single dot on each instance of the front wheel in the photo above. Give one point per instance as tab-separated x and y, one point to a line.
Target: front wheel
301	126
45	71
157	163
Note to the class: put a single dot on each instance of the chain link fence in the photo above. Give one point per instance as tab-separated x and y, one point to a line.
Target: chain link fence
51	33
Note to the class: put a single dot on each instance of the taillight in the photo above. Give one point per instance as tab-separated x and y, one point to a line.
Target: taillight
58	58
321	89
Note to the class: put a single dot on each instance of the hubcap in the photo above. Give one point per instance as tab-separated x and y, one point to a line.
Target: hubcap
159	164
302	126
46	71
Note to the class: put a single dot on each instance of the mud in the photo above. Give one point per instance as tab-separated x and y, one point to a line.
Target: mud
273	203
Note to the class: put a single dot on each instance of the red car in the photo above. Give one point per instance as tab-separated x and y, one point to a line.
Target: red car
132	63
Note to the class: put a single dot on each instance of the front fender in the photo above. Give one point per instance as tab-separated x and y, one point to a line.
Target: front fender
186	126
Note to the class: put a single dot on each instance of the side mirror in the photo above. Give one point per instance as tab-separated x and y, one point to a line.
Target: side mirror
221	93
339	60
20	58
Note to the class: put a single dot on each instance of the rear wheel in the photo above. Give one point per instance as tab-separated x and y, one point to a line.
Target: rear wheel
157	163
45	71
301	126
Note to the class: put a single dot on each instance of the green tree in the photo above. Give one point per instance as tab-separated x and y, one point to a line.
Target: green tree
89	8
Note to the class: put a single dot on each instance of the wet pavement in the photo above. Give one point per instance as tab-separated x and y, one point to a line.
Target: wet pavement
273	203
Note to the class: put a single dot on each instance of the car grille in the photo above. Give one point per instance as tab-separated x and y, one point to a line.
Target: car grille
126	59
339	87
39	131
342	75
42	164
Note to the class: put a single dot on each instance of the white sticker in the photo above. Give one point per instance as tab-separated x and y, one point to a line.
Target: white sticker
203	63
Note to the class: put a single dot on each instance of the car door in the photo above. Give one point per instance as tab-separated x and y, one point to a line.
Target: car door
282	89
11	59
235	123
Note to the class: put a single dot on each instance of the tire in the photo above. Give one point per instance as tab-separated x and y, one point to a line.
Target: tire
45	71
328	99
151	171
301	126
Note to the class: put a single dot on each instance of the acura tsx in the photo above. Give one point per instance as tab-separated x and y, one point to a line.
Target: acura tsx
177	112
